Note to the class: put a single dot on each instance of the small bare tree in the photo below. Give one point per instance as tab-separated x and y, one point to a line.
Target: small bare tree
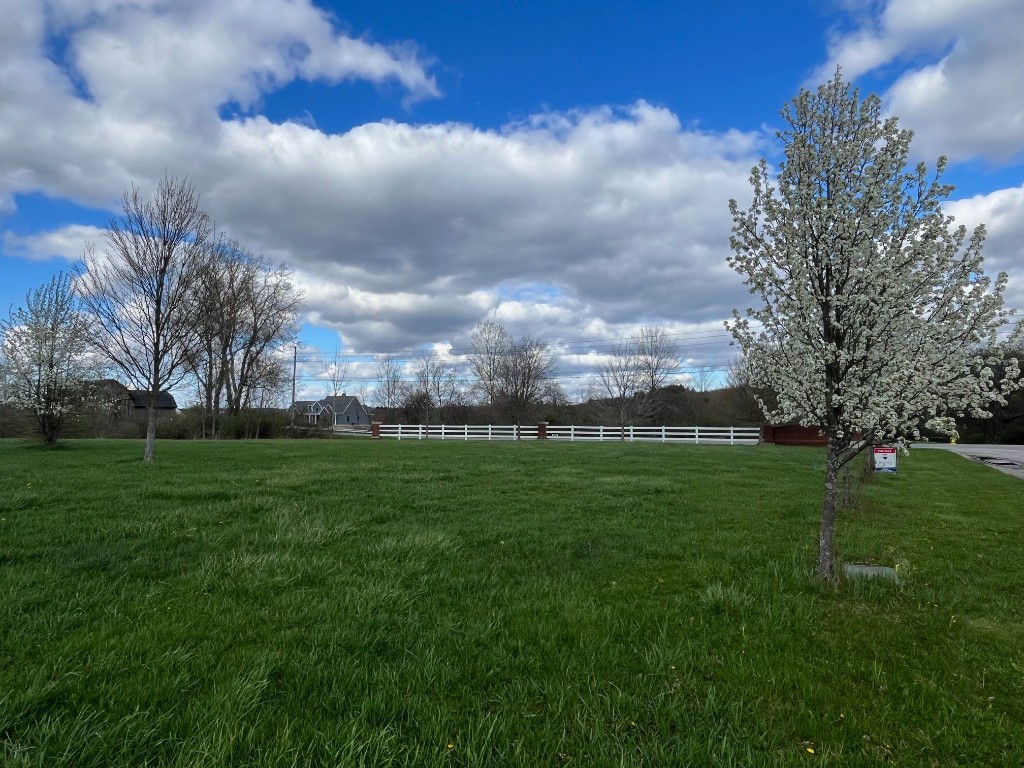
703	378
139	291
419	399
337	373
440	382
630	379
391	387
490	341
618	389
658	357
245	312
511	373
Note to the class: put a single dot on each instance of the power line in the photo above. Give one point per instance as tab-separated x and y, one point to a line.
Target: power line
570	348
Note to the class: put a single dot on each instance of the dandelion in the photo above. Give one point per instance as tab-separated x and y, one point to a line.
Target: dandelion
450	745
810	750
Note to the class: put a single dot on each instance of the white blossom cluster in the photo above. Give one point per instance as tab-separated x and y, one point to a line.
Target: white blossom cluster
877	315
43	355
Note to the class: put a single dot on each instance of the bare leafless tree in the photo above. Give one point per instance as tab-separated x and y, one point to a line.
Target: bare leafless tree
703	378
139	290
490	342
630	380
420	398
658	356
503	369
337	373
246	311
524	372
437	386
619	391
511	373
391	387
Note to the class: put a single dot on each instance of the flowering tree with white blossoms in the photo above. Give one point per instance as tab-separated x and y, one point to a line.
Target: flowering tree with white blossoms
43	355
875	307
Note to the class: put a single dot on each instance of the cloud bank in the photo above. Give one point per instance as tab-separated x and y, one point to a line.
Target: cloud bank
568	225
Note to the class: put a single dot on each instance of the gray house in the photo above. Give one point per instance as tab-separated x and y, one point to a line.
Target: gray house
333	411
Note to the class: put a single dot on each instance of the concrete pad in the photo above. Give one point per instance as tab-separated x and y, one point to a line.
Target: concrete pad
855	571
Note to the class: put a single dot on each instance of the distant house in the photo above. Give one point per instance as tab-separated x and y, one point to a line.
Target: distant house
333	411
120	402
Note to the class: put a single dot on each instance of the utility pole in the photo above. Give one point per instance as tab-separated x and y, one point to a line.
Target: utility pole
295	366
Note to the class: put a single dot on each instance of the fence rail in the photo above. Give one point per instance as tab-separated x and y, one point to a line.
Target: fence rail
457	432
694	435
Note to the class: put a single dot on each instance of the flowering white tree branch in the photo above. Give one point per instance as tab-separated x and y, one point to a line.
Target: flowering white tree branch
43	355
875	308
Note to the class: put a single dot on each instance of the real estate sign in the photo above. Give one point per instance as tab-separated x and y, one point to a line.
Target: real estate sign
885	459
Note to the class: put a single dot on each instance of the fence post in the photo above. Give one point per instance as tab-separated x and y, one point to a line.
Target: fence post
696	435
631	433
442	431
375	430
542	430
663	433
732	436
488	433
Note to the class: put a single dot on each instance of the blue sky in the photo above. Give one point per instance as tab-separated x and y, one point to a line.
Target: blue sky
562	167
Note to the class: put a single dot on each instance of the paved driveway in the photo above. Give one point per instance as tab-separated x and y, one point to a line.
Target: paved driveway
1005	458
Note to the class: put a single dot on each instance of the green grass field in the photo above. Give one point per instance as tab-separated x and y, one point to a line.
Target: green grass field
535	604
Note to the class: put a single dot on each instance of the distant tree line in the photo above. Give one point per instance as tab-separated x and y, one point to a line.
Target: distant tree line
512	380
164	299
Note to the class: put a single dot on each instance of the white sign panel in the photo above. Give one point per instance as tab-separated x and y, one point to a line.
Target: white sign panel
885	459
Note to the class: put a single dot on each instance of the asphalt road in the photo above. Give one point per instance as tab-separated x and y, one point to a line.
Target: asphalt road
1005	458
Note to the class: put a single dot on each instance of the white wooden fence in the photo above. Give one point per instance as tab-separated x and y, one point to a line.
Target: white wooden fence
457	432
695	435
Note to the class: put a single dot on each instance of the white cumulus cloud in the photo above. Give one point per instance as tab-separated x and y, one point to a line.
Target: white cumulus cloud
962	83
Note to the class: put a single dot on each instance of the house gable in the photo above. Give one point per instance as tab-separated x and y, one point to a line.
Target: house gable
341	410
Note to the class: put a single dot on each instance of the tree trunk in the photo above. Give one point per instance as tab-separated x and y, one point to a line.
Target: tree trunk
147	456
49	427
827	534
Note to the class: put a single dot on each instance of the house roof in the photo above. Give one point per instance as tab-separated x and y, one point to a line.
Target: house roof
140	399
111	389
341	403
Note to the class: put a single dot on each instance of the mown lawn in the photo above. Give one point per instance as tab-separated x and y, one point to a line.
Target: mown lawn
462	604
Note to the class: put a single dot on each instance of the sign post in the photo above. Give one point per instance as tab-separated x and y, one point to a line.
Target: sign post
885	459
